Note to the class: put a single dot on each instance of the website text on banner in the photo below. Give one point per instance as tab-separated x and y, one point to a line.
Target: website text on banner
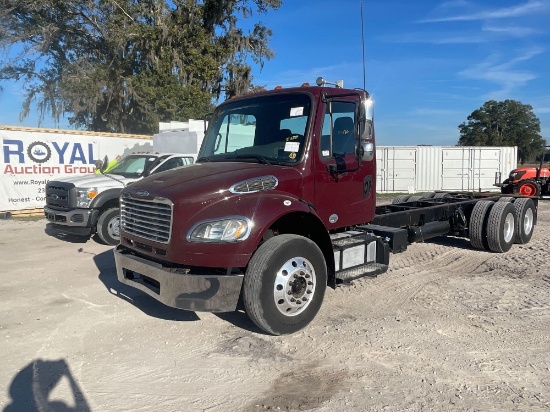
29	159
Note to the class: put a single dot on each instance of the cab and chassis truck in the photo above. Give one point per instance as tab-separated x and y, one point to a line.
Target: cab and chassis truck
281	204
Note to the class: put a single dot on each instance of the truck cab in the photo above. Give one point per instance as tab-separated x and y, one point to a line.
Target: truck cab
88	205
295	164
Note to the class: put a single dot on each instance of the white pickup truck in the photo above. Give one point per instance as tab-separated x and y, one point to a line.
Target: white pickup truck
88	205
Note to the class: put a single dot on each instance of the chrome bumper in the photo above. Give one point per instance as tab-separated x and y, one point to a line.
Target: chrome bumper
203	293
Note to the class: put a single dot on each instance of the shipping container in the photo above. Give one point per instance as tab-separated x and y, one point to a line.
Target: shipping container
412	169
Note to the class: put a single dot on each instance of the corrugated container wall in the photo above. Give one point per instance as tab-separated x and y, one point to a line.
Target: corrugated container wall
412	169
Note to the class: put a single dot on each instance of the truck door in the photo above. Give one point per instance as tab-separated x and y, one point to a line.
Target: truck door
344	193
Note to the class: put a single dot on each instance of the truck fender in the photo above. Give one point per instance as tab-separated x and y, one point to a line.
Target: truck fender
105	197
290	215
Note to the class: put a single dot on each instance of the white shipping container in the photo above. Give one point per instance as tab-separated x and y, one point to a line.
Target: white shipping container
453	168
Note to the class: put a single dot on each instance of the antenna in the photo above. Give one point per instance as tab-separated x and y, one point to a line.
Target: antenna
363	46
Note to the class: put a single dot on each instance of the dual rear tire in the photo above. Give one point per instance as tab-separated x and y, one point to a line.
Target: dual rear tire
496	226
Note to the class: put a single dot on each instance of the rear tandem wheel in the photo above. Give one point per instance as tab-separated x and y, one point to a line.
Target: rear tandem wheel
478	224
501	227
525	219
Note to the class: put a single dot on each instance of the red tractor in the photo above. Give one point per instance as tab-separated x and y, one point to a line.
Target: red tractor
528	181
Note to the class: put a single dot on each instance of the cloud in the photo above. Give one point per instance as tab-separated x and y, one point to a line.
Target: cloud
530	7
489	33
503	73
510	31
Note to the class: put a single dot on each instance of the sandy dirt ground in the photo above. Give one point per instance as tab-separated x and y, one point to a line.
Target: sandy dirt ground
448	328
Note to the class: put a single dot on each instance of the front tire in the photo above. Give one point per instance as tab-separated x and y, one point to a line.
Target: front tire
108	227
284	284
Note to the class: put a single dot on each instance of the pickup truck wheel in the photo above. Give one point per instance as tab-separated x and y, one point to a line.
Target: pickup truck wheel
108	226
525	220
478	228
284	284
501	227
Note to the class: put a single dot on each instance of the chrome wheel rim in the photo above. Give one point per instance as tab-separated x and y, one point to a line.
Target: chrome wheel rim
528	221
113	228
509	227
294	286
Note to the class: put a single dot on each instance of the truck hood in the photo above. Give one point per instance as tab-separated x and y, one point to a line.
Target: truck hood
96	180
212	180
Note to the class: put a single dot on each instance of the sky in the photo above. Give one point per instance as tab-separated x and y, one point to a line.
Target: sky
428	64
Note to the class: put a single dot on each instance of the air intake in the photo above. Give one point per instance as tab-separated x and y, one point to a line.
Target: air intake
256	184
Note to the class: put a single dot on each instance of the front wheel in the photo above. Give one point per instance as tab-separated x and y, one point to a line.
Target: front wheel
108	226
284	284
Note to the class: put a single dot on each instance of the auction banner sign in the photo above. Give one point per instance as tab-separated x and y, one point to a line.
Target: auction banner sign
29	159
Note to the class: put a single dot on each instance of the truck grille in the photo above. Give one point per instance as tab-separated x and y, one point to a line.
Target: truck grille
148	219
58	195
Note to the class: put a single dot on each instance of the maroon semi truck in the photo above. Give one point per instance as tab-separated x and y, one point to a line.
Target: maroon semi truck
281	204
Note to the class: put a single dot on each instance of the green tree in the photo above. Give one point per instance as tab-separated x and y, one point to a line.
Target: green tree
124	65
506	123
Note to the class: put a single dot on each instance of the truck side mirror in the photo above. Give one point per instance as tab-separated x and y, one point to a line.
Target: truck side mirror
104	165
367	151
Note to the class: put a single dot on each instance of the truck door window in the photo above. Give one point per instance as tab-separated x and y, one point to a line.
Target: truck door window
343	130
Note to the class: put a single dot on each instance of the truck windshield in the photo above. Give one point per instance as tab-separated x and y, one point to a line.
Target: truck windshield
134	165
266	129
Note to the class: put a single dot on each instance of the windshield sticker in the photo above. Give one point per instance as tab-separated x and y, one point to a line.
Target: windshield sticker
292	155
296	111
292	146
293	137
326	152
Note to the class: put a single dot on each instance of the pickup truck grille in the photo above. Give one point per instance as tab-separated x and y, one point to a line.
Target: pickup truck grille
58	195
148	219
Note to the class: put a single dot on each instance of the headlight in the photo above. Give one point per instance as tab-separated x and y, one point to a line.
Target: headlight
230	229
84	196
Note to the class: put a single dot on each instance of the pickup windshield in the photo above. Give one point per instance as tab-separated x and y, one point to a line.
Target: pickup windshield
134	165
266	129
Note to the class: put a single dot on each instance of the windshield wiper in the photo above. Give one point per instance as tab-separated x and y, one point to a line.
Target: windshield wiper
259	157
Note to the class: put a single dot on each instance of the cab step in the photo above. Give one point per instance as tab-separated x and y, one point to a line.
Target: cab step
368	270
359	253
